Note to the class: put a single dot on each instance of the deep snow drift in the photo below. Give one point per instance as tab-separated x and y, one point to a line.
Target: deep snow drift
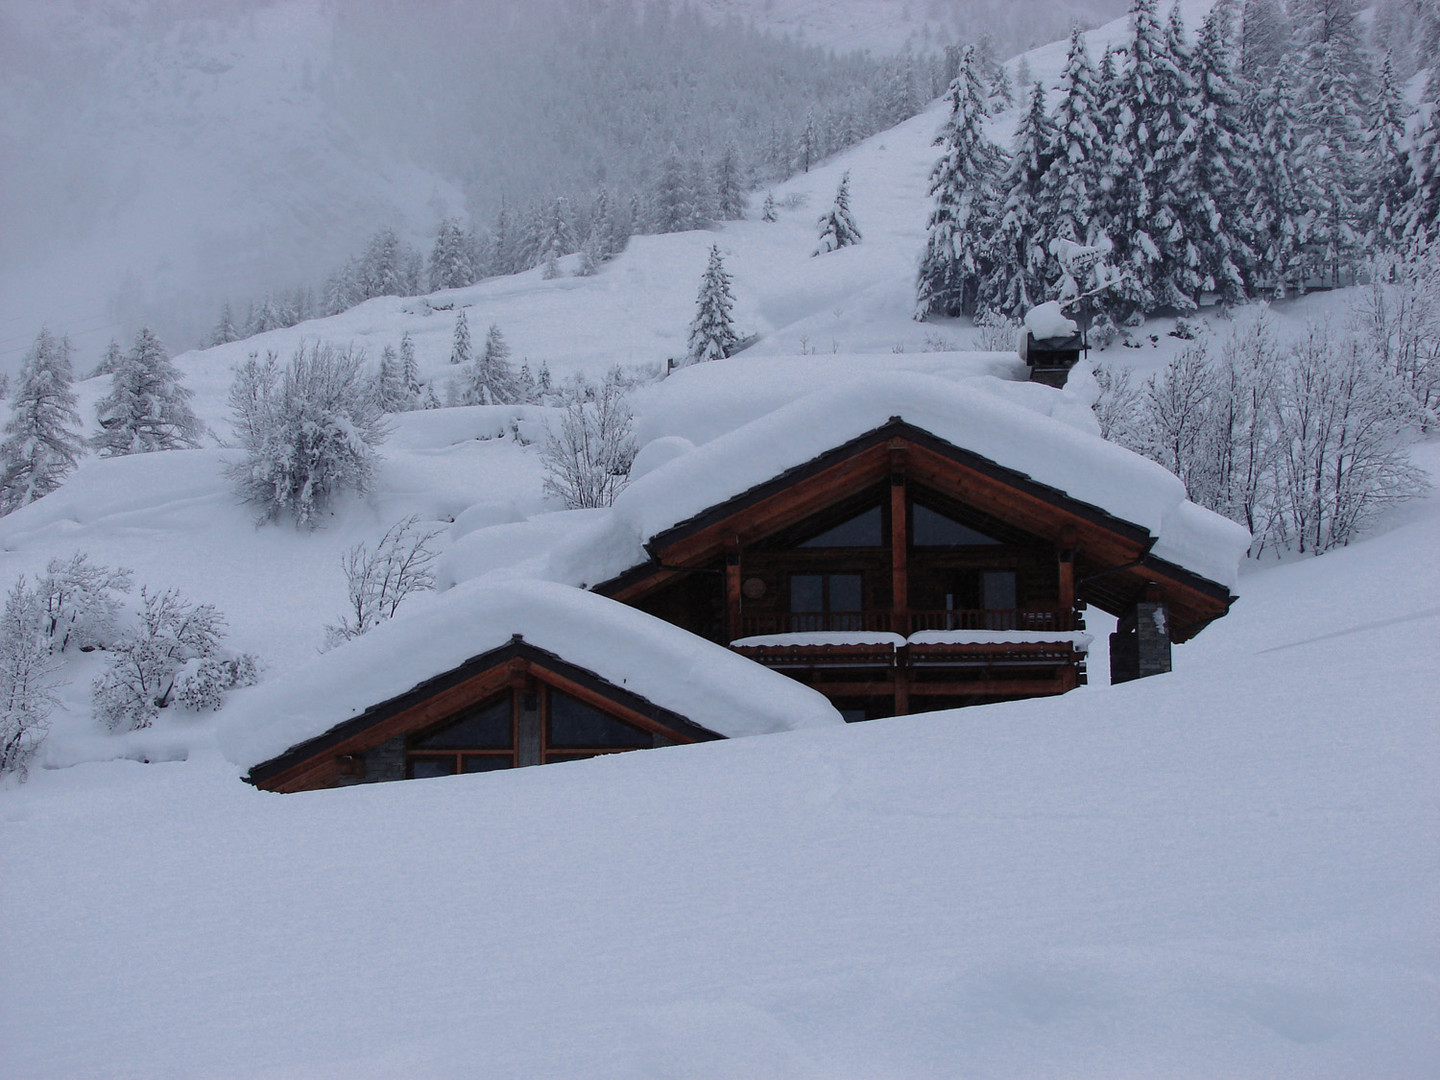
1231	870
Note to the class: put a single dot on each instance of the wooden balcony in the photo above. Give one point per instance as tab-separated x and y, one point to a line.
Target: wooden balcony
1031	619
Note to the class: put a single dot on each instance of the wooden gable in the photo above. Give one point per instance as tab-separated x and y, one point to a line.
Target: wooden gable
1112	566
392	732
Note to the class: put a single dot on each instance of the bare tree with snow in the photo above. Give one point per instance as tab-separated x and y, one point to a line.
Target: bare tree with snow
588	454
28	680
378	581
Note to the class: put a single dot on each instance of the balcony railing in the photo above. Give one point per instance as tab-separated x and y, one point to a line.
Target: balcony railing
1042	619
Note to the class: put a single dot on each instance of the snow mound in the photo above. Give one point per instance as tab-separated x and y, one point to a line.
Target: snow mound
1048	321
701	681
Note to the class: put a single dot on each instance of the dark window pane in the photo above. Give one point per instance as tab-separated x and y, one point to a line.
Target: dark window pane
863	530
845	592
552	758
807	592
574	724
936	530
997	591
484	727
420	767
486	762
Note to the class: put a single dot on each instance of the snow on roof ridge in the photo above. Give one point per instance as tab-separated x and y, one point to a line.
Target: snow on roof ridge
670	667
1016	437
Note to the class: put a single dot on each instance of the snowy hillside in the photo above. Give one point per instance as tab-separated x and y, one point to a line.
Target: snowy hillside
1230	870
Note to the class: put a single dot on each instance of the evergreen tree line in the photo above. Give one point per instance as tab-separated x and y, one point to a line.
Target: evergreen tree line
146	410
1273	154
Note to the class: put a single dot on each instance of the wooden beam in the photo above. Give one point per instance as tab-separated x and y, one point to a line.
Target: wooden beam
899	553
733	617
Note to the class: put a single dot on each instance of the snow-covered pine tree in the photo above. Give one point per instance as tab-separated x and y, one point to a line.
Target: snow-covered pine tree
460	350
702	196
962	183
147	409
409	368
110	361
390	382
1065	203
1150	174
544	386
712	333
1108	103
557	238
1225	153
223	333
1282	218
674	201
767	212
1331	110
1386	168
1264	39
809	143
526	392
382	269
1001	95
837	225
729	186
1017	279
42	438
1422	212
602	239
450	264
490	379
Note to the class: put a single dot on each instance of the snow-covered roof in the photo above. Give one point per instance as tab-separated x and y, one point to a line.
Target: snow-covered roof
703	682
968	415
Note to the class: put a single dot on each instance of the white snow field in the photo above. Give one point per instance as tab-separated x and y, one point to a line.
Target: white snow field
1232	870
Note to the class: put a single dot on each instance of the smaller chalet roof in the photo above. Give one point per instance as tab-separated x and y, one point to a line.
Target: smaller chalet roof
1084	466
703	682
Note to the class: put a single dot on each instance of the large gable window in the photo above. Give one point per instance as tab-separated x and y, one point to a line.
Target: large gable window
863	530
480	739
575	729
933	529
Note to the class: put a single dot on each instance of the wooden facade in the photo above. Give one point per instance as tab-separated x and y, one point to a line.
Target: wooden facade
514	706
926	549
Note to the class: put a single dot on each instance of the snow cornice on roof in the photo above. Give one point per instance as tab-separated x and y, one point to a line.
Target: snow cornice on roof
704	683
1082	467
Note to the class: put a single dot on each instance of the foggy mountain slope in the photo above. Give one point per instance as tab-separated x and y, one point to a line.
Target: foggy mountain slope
161	158
888	26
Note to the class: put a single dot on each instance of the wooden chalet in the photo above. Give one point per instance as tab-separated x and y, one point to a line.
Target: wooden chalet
513	706
900	573
588	677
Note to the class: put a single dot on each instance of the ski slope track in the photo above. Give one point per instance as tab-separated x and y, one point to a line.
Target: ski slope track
1230	870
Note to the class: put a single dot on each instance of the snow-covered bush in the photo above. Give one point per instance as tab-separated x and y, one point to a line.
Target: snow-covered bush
27	680
1302	444
588	456
995	332
79	602
202	684
377	581
309	430
139	680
